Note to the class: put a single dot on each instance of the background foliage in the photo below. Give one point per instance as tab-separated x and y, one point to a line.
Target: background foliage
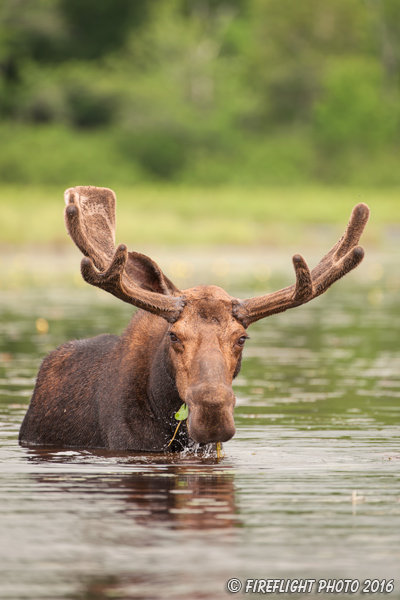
204	92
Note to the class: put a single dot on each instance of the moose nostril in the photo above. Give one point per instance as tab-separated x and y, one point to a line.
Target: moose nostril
203	434
211	414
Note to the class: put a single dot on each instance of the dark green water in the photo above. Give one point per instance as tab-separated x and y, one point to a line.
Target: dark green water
309	487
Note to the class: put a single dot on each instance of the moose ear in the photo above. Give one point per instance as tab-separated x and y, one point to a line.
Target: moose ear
146	274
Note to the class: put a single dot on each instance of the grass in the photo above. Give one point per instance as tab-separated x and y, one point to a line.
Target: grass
179	215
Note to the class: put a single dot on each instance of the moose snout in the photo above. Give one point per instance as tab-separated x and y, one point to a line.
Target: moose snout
211	413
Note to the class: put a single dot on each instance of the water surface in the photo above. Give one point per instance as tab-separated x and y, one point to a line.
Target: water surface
308	488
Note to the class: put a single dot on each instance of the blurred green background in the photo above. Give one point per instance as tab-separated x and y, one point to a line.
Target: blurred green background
213	120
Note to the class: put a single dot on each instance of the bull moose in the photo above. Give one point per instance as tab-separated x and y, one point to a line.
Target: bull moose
122	392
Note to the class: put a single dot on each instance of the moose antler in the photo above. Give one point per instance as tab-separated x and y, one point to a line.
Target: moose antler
341	259
130	276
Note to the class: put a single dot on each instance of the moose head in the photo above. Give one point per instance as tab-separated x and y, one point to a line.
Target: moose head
183	346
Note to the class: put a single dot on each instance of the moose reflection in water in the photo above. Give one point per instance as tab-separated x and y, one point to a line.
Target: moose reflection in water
180	347
181	495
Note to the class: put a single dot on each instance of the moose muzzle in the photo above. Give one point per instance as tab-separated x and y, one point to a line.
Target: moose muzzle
211	413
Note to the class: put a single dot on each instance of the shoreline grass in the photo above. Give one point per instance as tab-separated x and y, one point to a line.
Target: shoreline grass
179	215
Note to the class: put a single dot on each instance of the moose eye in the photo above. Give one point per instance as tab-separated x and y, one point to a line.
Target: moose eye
241	341
174	339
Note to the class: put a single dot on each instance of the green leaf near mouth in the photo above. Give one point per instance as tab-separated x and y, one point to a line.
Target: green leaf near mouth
182	413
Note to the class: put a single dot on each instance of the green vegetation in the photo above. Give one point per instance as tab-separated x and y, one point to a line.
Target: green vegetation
200	92
170	214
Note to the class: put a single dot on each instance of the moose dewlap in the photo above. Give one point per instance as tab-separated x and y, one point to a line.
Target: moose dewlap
181	347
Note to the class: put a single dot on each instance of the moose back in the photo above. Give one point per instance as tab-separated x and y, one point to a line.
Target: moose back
182	346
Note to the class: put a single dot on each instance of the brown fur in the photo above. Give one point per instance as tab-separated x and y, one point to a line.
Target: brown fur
183	347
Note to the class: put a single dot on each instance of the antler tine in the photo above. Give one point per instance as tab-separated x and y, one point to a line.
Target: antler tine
304	287
253	309
338	269
350	238
341	259
114	281
358	220
345	254
90	221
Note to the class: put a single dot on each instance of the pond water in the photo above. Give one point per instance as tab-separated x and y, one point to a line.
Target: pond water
308	488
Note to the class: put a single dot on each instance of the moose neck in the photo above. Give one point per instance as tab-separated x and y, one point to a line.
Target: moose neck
153	377
164	397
